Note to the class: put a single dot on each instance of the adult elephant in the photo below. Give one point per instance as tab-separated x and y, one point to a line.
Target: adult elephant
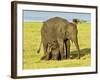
48	36
63	31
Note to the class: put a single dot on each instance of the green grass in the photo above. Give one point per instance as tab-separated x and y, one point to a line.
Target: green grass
32	38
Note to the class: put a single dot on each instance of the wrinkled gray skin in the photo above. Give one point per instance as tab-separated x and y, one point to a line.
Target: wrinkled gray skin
48	36
61	30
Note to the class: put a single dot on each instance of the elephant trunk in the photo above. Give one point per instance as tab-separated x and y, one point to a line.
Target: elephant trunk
75	40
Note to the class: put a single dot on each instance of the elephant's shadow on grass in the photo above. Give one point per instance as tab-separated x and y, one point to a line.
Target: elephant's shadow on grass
83	52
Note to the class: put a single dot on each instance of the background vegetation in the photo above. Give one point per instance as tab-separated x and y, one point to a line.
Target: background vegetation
31	41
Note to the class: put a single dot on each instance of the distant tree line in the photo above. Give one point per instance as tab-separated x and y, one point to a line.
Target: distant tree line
76	20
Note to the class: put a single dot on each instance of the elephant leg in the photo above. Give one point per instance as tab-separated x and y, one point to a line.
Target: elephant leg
55	56
62	52
67	47
61	48
52	57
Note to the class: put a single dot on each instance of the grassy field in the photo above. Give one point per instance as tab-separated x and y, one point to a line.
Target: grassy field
32	38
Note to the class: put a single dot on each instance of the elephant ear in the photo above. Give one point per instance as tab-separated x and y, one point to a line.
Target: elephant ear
67	35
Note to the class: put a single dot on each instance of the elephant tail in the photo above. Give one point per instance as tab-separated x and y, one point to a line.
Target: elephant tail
38	51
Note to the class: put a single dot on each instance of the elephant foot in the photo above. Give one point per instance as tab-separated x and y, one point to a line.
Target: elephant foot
54	59
68	57
78	57
63	58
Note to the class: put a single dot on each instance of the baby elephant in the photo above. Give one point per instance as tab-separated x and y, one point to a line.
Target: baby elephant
52	50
